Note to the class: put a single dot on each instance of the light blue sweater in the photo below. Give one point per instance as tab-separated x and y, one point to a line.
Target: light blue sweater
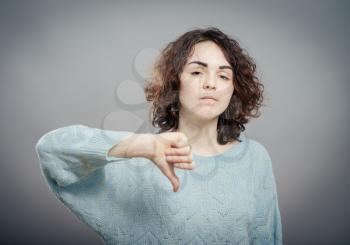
229	198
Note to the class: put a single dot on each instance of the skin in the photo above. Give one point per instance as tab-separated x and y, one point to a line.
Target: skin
198	118
207	72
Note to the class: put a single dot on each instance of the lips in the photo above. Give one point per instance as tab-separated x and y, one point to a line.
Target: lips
208	97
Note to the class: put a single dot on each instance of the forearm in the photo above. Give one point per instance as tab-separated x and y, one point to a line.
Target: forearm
135	145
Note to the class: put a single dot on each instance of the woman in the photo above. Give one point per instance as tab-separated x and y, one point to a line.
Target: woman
203	90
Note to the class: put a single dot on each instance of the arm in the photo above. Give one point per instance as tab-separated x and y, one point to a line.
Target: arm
268	226
134	145
70	153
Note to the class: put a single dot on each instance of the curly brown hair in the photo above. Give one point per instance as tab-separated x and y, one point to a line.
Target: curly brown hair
163	88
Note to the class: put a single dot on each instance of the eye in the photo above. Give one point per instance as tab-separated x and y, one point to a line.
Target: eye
195	73
225	78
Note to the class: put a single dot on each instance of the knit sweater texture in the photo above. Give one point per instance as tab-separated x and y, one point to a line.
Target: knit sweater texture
228	198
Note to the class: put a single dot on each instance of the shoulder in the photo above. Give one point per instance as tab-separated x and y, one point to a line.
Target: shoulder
260	155
258	149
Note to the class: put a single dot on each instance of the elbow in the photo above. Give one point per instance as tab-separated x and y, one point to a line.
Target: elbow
43	145
42	151
46	143
40	146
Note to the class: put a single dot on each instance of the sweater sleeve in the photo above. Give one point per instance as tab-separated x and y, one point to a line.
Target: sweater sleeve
69	154
268	226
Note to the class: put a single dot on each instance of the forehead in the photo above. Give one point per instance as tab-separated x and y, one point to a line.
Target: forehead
208	52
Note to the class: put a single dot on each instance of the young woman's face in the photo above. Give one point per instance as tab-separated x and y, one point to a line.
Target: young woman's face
206	73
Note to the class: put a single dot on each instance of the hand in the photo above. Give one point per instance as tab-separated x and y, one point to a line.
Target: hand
171	149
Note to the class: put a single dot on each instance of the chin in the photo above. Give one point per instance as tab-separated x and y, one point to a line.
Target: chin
203	113
206	115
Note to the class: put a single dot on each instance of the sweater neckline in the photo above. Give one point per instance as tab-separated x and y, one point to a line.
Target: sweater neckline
233	150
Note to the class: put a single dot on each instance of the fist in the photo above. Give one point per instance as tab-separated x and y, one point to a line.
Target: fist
171	149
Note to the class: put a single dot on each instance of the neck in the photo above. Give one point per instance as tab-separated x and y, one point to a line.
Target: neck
202	135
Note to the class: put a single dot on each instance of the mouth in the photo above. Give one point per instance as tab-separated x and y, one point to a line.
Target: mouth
208	101
208	98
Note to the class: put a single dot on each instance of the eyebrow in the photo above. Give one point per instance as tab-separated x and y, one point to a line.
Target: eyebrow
206	65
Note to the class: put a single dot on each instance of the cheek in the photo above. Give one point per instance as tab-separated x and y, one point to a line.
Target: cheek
225	92
226	95
187	95
188	88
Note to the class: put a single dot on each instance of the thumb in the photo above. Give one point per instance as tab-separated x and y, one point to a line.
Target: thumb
174	181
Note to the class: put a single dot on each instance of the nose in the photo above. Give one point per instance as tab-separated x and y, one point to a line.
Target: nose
209	83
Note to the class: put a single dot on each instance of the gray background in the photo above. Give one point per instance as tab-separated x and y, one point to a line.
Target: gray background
77	63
